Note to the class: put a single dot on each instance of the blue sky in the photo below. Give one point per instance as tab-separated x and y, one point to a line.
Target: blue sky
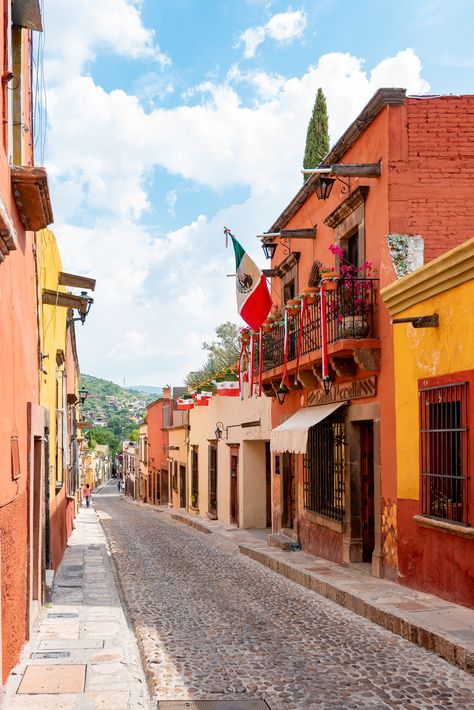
168	120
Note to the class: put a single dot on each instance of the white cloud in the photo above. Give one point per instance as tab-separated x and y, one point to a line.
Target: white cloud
76	31
159	295
282	27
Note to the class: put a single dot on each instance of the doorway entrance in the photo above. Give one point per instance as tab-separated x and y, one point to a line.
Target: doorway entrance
182	486
367	489
212	503
268	484
164	500
234	486
289	490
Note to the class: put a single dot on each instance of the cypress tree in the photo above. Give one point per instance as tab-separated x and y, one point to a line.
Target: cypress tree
317	136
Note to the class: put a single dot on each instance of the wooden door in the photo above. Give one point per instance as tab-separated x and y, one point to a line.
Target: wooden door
234	486
289	490
182	486
164	487
268	484
367	489
212	504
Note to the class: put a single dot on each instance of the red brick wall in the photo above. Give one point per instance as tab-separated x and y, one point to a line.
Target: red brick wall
432	171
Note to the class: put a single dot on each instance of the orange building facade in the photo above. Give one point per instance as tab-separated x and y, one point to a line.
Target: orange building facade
396	202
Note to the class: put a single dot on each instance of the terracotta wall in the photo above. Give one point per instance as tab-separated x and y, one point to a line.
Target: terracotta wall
18	386
372	146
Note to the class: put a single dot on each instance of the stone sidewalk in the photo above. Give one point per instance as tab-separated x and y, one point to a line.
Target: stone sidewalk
84	655
425	619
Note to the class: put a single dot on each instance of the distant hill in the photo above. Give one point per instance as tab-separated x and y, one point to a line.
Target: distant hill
147	389
111	406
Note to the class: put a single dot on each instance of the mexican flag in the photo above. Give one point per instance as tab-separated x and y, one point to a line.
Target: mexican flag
228	386
185	403
253	297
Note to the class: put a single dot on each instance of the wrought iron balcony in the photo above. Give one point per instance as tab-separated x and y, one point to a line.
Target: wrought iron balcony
350	314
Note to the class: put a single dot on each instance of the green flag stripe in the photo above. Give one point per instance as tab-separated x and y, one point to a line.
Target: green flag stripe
239	252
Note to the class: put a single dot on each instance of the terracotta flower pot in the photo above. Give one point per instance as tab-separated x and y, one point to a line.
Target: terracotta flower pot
294	307
330	279
311	295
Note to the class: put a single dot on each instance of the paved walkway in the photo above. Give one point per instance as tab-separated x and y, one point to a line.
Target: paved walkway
434	623
213	624
84	655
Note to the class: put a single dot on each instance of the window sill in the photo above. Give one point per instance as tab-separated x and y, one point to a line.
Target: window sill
442	526
324	522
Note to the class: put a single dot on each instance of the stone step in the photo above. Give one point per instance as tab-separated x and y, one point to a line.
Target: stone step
282	542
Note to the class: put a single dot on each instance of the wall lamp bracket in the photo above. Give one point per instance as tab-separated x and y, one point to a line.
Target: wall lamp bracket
419	321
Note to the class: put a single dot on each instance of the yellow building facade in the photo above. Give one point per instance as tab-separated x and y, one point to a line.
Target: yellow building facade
434	390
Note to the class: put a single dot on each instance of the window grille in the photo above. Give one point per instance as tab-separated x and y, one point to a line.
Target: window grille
323	482
444	452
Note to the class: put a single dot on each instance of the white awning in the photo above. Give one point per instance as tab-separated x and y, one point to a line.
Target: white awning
292	435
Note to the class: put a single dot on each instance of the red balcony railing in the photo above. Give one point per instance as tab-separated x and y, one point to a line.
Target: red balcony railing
350	314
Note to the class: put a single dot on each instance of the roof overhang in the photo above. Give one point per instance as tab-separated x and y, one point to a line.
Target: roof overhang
292	435
31	195
381	99
27	13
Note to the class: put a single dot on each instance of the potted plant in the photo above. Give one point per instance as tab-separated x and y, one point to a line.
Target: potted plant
330	279
311	295
245	335
293	306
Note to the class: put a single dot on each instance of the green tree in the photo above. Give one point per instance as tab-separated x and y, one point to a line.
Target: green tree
103	435
317	136
222	352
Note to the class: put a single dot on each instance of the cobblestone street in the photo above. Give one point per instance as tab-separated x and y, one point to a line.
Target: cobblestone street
213	624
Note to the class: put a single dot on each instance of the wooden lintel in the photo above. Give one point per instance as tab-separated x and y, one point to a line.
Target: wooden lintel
269	273
83	282
298	233
356	169
64	300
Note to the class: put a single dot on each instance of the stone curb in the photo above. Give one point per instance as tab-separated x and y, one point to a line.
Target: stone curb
202	527
448	649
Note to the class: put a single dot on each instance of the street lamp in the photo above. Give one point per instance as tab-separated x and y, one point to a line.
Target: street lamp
281	393
323	186
83	395
327	384
219	430
269	247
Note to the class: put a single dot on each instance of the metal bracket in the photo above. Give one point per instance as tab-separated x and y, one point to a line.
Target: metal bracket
419	321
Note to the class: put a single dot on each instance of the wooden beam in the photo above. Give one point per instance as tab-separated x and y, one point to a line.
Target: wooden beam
83	282
269	273
64	300
357	169
298	233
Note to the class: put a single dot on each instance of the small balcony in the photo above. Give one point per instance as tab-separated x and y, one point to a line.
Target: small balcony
350	321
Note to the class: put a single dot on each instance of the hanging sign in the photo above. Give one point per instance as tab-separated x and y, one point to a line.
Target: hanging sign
345	391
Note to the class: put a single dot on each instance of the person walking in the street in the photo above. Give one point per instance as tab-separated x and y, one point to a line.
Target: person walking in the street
119	485
86	492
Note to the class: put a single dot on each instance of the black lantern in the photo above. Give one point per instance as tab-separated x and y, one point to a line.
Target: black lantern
281	393
327	384
323	186
83	395
269	248
219	430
